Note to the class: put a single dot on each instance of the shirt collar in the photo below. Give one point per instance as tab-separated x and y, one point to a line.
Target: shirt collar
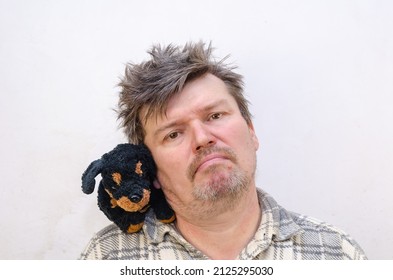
276	225
155	230
276	222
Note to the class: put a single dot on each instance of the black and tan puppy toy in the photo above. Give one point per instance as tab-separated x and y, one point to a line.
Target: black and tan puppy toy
126	190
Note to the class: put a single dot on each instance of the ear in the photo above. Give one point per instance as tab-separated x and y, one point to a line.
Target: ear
254	137
156	184
88	181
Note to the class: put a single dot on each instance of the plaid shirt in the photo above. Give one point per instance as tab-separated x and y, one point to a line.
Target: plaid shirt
281	235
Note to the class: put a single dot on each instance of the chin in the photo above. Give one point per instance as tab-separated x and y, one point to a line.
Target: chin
221	185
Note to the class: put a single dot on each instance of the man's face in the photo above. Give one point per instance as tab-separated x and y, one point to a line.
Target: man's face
204	149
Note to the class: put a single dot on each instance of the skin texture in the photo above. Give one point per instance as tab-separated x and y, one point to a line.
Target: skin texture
205	153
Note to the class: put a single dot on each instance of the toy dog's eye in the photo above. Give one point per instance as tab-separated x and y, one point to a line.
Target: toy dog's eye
116	178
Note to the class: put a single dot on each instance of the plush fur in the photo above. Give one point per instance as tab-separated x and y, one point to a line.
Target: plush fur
126	190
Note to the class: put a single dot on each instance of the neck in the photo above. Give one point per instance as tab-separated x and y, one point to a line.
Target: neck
223	235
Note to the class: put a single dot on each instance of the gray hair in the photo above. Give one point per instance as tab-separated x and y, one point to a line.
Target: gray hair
151	84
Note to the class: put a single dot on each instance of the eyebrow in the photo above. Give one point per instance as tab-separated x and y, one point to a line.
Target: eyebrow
166	126
205	109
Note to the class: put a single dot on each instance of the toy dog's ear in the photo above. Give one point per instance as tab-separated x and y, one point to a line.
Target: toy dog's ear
88	181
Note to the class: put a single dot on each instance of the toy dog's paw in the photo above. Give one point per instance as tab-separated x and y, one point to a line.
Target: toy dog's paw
169	220
134	228
166	215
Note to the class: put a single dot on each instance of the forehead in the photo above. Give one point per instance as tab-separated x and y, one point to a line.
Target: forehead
203	92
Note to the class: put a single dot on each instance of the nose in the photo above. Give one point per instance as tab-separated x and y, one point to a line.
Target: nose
135	198
203	137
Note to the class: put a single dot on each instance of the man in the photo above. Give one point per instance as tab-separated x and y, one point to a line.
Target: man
190	112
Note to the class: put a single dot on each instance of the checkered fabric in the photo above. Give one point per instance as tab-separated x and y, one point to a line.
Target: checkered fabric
281	235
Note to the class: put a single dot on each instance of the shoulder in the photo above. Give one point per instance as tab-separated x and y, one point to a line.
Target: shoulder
318	235
156	240
111	243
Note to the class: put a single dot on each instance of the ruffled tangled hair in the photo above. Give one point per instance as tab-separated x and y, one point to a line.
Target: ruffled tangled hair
151	84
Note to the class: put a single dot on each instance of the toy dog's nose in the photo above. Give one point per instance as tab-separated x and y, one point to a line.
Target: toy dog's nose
136	198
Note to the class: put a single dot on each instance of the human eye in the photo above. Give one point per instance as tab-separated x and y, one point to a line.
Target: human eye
215	116
171	136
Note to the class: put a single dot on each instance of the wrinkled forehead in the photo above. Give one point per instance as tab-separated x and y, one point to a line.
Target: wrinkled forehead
157	107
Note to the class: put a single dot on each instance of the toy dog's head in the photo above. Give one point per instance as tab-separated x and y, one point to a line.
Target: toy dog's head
127	174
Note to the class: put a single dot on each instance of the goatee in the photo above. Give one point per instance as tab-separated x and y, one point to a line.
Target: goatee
223	183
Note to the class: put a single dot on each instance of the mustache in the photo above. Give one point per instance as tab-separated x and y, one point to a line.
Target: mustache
193	167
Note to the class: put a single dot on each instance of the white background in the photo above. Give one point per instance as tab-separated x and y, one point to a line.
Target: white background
319	75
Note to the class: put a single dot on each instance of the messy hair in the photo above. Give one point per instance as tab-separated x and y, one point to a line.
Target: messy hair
151	84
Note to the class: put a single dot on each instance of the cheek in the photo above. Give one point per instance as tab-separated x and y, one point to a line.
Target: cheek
245	147
171	169
242	138
164	178
174	183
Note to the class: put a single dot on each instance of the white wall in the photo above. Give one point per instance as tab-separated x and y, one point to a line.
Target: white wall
318	73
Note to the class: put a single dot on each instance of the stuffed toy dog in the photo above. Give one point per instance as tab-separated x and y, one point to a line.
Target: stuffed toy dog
126	190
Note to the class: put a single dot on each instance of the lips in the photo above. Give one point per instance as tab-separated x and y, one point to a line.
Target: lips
208	158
